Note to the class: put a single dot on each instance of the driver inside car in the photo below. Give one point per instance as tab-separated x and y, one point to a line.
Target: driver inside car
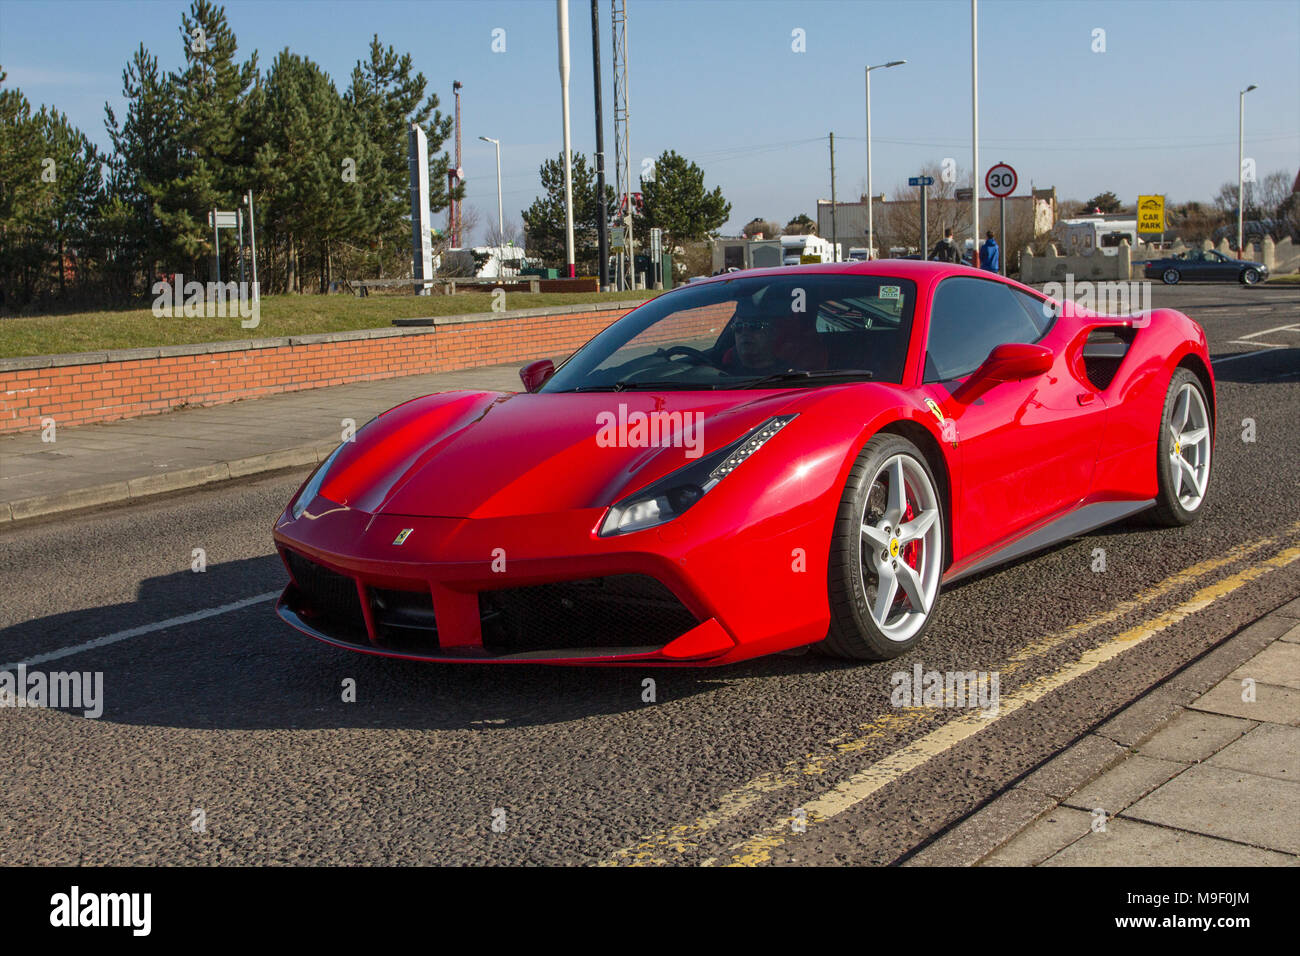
753	353
767	344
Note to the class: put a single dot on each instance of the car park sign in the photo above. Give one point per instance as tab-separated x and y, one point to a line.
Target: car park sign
1151	214
1000	181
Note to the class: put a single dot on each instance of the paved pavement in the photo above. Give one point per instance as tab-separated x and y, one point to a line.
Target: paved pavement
115	461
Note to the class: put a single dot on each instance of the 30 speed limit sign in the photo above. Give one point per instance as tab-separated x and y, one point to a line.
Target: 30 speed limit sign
1000	181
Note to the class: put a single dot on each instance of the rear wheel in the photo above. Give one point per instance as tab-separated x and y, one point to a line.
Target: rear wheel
886	553
1171	276
1183	456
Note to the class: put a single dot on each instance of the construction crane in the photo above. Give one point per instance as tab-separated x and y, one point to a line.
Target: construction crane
622	152
455	176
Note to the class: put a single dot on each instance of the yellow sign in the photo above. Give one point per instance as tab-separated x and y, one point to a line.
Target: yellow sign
807	259
1151	213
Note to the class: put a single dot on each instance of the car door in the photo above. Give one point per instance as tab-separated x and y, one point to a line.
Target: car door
1218	267
1027	450
1200	266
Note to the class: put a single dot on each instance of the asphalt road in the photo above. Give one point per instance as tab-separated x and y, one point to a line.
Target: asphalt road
225	738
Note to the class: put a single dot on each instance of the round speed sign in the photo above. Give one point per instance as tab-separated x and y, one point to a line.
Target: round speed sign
1000	180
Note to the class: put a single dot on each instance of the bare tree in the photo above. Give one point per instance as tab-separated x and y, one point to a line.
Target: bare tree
1194	221
902	221
1068	208
504	235
757	225
694	259
1019	233
470	218
1273	192
1226	199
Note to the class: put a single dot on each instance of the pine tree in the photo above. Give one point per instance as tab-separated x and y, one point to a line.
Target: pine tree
383	100
20	190
544	221
71	177
145	158
313	164
677	202
50	181
211	95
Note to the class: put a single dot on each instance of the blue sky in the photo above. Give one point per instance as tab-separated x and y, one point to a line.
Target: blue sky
718	81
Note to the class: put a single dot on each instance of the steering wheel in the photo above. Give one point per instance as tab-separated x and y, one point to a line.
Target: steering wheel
694	355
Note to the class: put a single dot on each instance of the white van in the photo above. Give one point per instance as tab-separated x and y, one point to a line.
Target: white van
795	249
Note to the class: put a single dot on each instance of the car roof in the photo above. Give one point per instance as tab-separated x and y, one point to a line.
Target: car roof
923	271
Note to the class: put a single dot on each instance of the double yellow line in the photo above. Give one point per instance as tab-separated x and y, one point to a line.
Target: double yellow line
669	846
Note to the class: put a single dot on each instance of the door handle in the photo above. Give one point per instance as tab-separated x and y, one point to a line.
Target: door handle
1086	398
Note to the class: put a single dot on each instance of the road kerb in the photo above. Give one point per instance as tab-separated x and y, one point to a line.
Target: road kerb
144	486
40	505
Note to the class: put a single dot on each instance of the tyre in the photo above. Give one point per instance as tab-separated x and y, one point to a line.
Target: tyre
1250	277
887	553
1171	276
1183	451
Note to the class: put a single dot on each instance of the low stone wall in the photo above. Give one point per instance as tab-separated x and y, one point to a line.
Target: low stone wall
104	386
1127	263
1051	266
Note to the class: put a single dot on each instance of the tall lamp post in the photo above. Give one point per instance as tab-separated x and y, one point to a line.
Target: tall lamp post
562	15
501	221
1241	160
975	132
871	233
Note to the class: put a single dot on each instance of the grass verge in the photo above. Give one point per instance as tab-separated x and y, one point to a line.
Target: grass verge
281	315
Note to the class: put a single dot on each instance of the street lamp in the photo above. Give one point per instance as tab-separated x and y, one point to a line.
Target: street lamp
871	239
1241	159
501	224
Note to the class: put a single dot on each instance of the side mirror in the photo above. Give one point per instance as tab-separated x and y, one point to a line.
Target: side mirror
535	374
1009	362
1014	361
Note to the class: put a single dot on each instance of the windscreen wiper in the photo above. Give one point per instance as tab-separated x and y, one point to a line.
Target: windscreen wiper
850	374
624	385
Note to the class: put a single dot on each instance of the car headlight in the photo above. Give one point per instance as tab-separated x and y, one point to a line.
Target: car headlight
312	488
675	493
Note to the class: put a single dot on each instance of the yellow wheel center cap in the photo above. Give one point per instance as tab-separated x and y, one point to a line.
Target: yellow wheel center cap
1178	447
893	547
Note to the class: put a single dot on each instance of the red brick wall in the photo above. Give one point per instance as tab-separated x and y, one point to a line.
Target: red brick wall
105	391
703	322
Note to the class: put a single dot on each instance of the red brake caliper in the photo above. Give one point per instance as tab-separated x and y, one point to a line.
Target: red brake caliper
911	552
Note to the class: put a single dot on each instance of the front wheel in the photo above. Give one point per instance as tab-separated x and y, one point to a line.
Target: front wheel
1250	277
1183	451
1171	276
886	554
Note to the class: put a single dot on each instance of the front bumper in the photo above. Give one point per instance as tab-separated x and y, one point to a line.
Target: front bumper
533	588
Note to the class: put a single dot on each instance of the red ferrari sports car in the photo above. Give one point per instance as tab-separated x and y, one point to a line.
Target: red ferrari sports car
761	461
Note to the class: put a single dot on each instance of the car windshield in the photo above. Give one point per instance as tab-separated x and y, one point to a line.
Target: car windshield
796	329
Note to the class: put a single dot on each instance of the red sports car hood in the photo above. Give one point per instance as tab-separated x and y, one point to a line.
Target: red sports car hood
492	454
